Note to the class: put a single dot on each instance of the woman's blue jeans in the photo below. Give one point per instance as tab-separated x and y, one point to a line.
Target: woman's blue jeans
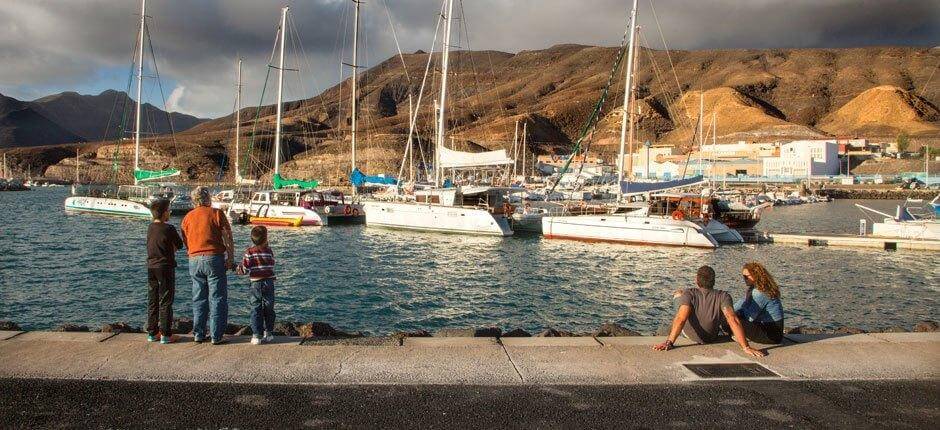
210	295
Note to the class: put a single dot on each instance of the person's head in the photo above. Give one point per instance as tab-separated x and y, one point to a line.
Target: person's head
757	276
201	196
160	209
259	235
705	277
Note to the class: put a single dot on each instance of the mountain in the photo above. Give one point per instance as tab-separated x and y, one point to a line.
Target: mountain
21	125
757	95
98	117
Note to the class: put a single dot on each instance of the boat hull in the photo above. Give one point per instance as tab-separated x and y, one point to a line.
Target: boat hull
107	206
641	230
925	229
436	218
308	217
723	233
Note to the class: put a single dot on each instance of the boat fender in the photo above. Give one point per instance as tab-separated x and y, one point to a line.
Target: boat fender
355	212
678	215
347	210
328	209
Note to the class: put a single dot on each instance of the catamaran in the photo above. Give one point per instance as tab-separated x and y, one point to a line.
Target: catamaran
290	201
462	209
133	200
640	227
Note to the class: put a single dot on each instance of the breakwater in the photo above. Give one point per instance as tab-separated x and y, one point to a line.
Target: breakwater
877	194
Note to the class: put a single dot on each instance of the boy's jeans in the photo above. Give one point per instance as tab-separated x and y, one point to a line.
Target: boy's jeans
210	295
261	300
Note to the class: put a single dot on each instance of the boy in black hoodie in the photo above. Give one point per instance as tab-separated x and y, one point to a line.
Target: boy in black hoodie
162	243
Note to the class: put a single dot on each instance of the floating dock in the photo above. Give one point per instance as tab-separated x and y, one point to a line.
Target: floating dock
886	243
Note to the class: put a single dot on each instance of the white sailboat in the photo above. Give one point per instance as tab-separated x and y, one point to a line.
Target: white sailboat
133	200
638	228
291	202
471	210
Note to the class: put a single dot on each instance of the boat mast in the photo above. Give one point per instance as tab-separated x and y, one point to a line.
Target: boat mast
355	74
633	112
280	89
140	77
515	148
626	102
76	165
441	114
525	129
701	114
238	119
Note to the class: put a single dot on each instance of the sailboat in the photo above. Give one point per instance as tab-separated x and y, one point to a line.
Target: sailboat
242	191
292	202
134	200
636	227
461	209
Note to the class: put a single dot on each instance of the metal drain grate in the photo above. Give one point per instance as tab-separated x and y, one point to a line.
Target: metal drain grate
730	370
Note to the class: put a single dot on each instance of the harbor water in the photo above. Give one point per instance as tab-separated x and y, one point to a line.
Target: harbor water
58	268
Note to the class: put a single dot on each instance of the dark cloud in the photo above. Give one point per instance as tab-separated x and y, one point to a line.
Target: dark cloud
48	45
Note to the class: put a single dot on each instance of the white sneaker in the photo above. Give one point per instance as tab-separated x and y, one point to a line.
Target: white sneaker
268	337
255	340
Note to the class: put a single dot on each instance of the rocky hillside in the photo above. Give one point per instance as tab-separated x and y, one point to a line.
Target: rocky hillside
21	126
754	94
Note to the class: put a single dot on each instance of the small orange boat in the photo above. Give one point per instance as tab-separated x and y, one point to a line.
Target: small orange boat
276	222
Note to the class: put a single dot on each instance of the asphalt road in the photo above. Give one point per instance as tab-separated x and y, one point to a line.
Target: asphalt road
753	404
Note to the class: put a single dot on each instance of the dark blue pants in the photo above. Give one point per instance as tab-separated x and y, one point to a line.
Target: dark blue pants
261	301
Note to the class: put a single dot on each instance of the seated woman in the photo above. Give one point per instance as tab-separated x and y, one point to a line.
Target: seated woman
760	310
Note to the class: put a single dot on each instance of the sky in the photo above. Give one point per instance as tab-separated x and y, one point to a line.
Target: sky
49	46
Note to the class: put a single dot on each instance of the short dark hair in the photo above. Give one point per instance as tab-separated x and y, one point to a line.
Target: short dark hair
705	277
159	207
259	234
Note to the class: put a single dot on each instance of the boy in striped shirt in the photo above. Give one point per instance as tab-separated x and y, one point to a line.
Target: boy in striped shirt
258	264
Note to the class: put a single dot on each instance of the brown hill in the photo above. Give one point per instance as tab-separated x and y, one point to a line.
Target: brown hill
757	94
21	125
881	110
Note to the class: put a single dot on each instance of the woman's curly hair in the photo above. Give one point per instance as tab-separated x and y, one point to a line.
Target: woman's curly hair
762	279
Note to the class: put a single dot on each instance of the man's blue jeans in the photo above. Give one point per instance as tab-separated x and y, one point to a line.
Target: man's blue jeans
261	301
210	295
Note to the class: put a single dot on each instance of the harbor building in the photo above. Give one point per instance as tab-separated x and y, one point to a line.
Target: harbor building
803	158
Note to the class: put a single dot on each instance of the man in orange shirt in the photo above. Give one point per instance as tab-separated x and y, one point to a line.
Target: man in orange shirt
208	237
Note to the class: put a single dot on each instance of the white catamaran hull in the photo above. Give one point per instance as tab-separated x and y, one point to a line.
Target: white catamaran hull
923	229
722	233
436	218
107	206
308	217
628	229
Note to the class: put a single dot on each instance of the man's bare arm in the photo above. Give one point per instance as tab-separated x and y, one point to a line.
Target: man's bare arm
682	315
738	330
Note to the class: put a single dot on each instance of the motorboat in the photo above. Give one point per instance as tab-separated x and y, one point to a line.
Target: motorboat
913	219
473	210
314	208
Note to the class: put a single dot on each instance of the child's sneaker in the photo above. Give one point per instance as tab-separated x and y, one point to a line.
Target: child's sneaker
268	337
256	340
167	339
152	338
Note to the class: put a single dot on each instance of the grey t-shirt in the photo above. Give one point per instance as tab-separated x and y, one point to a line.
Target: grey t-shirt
705	323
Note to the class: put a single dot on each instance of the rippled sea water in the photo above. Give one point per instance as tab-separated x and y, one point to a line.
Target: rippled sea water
58	268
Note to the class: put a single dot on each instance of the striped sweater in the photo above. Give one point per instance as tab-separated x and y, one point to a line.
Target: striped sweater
258	263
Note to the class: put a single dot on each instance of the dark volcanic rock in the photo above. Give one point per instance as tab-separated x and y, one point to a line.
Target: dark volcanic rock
611	330
285	328
417	333
72	327
555	333
120	327
232	329
517	333
317	329
9	326
469	332
245	331
182	326
894	329
803	330
926	326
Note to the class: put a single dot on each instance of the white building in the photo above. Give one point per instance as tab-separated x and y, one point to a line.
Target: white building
741	149
804	158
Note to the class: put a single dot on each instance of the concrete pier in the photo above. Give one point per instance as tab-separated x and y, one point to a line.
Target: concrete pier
474	360
888	244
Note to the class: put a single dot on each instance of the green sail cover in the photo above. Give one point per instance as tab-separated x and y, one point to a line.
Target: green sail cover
280	182
149	175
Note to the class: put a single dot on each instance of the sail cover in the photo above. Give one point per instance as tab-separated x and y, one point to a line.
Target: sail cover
648	187
451	159
150	175
279	182
358	179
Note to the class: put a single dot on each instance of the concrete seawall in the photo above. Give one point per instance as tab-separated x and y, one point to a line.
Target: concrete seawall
457	360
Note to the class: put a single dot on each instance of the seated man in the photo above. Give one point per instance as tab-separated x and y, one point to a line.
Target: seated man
706	310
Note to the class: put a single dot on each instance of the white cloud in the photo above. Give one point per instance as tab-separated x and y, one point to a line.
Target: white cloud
173	101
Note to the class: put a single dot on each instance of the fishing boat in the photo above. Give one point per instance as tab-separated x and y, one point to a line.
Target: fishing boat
913	219
462	209
132	200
